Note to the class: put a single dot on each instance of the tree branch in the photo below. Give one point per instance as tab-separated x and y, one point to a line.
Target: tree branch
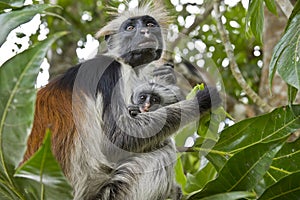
285	6
233	65
199	18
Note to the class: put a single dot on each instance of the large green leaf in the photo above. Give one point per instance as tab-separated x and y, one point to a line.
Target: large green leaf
284	163
17	97
11	20
243	170
287	188
287	160
286	57
43	169
272	126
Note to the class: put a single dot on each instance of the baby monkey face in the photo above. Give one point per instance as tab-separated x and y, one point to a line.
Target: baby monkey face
148	102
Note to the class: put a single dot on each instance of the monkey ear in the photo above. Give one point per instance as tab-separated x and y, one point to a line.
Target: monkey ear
103	32
111	28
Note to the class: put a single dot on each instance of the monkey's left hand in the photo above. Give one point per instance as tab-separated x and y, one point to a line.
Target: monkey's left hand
134	110
166	73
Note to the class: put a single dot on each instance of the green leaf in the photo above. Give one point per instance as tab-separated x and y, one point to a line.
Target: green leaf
17	97
255	16
194	91
184	133
230	196
265	128
243	170
286	189
271	5
179	173
197	181
292	94
286	161
190	162
43	169
286	57
12	19
6	192
209	124
4	4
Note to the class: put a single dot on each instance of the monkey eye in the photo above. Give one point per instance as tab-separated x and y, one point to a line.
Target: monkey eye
150	24
130	28
143	97
155	100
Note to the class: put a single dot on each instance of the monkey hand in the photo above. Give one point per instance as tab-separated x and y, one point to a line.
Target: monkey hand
166	73
134	110
208	98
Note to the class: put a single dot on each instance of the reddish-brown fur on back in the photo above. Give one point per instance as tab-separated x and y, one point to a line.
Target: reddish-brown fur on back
53	110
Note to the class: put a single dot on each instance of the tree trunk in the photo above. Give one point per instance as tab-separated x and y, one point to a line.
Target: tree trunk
273	30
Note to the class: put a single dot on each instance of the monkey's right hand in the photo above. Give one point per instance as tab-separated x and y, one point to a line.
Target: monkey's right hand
166	73
208	98
134	110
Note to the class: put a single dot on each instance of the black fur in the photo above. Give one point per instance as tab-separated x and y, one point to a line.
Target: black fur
209	98
66	81
108	82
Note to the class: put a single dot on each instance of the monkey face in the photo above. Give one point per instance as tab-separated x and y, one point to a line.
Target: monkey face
140	40
148	102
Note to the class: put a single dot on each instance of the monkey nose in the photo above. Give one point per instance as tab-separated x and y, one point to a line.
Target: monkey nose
145	31
146	107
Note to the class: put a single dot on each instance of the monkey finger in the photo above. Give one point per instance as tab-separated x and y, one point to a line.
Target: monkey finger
168	64
165	73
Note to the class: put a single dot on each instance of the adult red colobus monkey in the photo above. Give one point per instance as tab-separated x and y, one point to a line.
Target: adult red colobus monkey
104	152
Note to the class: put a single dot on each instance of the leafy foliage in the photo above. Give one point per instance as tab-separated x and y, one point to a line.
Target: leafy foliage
43	169
17	98
235	176
251	154
286	188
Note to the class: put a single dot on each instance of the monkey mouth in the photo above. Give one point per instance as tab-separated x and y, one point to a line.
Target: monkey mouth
147	44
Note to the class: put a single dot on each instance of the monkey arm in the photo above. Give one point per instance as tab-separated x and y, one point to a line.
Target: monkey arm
165	74
149	129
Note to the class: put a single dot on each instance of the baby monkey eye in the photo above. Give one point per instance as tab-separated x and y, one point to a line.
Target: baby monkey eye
142	97
155	100
130	28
